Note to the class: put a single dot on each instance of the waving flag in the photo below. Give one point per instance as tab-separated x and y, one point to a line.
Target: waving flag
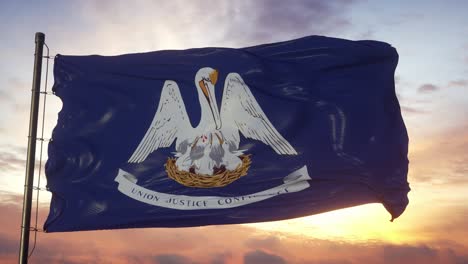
221	136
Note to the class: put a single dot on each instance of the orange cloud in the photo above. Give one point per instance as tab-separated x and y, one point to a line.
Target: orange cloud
213	244
441	159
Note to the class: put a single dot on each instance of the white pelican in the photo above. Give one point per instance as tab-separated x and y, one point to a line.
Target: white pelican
214	143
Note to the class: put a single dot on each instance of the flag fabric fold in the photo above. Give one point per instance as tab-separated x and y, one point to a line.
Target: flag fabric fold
207	136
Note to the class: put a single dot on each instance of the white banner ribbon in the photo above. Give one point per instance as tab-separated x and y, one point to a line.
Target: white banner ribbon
294	182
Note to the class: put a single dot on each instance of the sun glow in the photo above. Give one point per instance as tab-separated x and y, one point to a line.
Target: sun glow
365	223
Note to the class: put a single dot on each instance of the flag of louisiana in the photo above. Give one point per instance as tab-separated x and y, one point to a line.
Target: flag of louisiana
210	136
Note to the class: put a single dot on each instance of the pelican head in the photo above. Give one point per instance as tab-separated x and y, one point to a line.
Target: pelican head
205	80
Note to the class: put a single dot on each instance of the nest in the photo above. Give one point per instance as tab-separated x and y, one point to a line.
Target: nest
220	179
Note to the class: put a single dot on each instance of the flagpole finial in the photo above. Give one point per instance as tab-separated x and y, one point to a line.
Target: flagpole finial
40	37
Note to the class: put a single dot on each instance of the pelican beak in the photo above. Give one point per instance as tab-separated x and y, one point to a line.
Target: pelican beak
217	118
210	98
204	90
214	77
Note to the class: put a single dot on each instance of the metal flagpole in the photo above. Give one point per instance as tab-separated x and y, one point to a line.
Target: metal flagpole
31	156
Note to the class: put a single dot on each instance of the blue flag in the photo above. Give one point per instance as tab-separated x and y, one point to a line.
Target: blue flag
210	136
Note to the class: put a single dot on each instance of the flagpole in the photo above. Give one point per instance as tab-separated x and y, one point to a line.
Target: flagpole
31	156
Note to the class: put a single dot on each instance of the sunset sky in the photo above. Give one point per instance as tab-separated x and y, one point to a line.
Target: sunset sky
431	38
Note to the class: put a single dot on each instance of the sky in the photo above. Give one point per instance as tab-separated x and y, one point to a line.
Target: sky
431	83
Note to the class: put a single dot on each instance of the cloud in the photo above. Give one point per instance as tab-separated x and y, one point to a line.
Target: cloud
269	243
417	104
10	199
368	34
276	20
416	254
210	245
14	125
411	110
172	259
13	93
221	258
408	104
442	159
7	245
261	257
13	159
449	222
458	83
427	88
17	87
4	97
420	254
111	27
460	166
327	261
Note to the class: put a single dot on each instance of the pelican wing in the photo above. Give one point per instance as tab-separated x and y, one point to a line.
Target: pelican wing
241	112
170	121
